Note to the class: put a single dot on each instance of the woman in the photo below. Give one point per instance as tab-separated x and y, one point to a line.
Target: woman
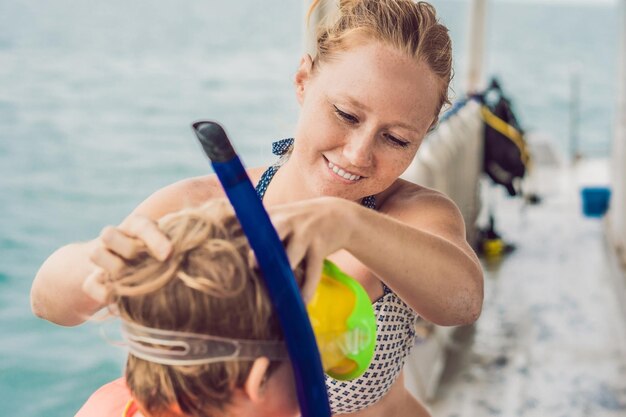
368	97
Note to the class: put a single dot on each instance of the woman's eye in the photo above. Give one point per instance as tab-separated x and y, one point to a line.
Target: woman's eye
395	141
346	116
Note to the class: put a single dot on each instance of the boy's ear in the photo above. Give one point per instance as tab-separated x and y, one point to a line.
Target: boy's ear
254	385
303	75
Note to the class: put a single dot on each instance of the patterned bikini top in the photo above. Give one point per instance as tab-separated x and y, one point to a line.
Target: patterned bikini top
395	325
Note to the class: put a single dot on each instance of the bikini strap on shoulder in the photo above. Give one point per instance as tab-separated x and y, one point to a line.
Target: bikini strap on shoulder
280	147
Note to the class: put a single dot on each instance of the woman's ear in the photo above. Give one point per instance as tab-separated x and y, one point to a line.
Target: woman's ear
303	75
254	385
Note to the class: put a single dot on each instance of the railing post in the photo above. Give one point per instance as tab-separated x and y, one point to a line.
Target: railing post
324	9
574	114
617	214
476	47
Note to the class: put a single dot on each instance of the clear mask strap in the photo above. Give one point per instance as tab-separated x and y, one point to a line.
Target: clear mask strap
170	347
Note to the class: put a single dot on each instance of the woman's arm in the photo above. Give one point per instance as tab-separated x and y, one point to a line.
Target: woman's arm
67	290
417	247
56	293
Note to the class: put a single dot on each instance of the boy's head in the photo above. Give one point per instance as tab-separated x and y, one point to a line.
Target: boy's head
206	287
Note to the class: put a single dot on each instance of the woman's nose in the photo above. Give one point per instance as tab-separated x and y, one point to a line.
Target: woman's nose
358	150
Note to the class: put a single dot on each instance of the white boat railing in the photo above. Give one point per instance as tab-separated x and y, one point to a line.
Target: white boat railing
617	211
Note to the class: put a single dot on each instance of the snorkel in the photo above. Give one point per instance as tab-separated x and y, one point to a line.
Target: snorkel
274	264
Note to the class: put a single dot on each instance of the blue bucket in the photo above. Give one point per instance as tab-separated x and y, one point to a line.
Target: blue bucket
595	201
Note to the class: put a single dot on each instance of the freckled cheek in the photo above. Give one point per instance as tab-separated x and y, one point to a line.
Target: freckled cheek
328	137
320	131
399	163
405	162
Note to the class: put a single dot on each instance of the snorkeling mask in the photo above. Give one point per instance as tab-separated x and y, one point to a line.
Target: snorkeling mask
344	324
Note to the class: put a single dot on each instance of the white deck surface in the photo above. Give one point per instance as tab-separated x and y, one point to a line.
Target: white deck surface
552	337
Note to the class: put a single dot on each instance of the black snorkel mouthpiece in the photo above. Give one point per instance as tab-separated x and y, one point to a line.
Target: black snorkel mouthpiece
214	141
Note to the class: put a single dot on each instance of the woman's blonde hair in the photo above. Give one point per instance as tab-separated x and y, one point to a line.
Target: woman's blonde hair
206	286
405	25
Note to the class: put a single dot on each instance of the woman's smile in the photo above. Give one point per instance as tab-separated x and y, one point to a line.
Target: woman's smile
341	173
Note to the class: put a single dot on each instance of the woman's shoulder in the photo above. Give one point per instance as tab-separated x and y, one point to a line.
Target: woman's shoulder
425	208
406	193
189	192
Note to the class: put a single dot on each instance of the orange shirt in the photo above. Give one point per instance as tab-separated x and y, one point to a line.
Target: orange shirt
110	400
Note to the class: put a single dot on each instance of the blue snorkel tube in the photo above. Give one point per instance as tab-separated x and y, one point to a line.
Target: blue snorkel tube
274	264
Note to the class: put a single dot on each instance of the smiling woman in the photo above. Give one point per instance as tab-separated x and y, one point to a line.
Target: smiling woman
367	97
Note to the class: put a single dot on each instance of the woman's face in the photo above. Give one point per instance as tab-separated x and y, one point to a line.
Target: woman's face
364	113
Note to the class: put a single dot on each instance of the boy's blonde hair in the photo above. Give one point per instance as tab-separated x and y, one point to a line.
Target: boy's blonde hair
408	26
206	286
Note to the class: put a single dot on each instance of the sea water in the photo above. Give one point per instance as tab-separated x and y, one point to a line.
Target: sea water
96	100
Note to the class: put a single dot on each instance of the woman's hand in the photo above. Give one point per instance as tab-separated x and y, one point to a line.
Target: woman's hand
117	245
311	230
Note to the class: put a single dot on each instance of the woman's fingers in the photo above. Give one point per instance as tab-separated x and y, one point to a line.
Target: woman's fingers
300	234
94	285
116	245
296	251
107	260
312	276
148	236
300	251
108	264
120	243
310	256
252	261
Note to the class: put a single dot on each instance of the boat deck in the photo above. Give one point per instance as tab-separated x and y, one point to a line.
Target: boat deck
551	340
